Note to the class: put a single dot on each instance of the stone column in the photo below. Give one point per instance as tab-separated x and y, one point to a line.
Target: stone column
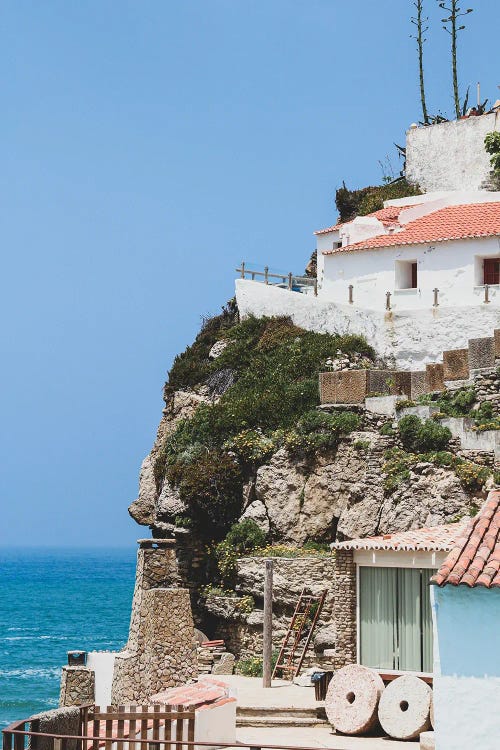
77	686
161	650
344	608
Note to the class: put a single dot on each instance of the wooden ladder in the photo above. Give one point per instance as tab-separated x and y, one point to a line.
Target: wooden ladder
301	626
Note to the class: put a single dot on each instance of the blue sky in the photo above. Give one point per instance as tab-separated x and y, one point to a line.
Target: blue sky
147	148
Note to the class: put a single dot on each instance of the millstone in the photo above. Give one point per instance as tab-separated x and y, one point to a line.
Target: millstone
352	699
404	709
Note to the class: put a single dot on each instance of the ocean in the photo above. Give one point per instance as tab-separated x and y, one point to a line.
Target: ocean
52	601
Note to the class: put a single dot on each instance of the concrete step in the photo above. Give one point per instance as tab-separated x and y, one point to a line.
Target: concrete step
279	721
286	711
280	716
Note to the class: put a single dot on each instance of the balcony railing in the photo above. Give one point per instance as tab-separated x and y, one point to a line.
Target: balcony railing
283	280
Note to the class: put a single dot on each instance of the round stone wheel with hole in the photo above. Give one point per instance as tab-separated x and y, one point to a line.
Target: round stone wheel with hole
404	709
352	699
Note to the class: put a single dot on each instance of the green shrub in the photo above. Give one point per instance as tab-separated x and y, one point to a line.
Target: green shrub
361	445
242	538
396	468
317	431
472	476
420	437
193	366
211	486
252	666
252	446
387	429
351	203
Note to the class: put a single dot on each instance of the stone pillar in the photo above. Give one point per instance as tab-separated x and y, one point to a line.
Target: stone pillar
344	608
77	686
161	649
481	353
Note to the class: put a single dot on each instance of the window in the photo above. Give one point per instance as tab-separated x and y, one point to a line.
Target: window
395	620
491	271
406	274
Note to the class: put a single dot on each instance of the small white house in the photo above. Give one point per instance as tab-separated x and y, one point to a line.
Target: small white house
437	249
393	623
466	614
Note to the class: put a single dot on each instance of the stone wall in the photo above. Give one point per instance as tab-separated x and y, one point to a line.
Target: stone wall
59	721
161	649
77	686
344	608
243	631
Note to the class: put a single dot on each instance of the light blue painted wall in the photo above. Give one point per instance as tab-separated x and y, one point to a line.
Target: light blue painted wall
468	624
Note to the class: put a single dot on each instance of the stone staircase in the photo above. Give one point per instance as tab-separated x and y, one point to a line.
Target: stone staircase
281	716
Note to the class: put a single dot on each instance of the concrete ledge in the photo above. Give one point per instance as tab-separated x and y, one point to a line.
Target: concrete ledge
383	404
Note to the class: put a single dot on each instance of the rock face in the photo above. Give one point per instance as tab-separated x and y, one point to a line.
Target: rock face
150	506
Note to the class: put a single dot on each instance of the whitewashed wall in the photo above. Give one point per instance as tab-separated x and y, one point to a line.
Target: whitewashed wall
413	337
466	667
451	155
102	662
455	268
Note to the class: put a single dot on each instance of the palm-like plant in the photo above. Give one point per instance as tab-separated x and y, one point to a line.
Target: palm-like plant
420	22
450	24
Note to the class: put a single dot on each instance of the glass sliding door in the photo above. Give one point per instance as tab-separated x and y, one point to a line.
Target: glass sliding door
395	627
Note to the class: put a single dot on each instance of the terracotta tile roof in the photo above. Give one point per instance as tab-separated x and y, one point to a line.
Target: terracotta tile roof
475	560
449	223
389	215
203	692
428	539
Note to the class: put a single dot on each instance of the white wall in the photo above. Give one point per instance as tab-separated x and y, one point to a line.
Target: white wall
414	337
102	662
453	267
451	155
466	667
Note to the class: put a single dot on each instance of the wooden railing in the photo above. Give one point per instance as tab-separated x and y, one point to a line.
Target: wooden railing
27	740
111	728
289	280
126	728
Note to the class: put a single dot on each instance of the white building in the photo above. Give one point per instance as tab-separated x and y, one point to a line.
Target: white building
437	249
466	614
418	277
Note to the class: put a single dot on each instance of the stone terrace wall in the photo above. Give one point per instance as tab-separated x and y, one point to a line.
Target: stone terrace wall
59	721
243	632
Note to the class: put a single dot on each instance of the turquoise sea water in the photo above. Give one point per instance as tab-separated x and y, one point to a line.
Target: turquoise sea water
52	601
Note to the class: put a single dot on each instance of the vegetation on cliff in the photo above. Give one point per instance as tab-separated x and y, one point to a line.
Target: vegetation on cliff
352	203
270	369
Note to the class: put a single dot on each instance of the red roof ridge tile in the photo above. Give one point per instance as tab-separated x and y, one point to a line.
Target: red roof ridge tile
475	559
458	222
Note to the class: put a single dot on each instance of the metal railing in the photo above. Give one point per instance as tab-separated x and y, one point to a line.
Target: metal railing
21	739
288	280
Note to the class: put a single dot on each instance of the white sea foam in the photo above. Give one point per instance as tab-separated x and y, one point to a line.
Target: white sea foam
28	674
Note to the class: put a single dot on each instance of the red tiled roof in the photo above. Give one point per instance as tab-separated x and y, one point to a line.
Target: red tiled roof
389	215
428	539
475	560
449	223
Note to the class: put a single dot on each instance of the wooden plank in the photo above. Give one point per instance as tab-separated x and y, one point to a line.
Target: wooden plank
168	734
179	729
96	726
108	730
144	723
132	729
191	727
120	727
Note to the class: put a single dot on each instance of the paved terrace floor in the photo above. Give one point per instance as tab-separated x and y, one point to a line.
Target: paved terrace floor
251	694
